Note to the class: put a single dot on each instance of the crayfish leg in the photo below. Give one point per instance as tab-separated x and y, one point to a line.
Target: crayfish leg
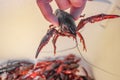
82	41
54	42
45	40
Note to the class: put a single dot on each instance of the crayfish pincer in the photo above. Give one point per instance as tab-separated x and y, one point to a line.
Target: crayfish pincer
68	28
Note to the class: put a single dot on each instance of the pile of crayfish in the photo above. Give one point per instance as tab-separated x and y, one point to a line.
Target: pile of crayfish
65	68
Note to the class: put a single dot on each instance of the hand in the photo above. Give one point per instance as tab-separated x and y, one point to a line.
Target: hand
76	8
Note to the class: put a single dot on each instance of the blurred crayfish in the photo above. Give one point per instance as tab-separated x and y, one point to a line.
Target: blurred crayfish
67	27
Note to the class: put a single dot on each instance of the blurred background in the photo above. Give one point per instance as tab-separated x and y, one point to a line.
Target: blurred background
22	26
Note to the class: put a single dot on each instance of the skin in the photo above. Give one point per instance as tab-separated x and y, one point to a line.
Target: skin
76	8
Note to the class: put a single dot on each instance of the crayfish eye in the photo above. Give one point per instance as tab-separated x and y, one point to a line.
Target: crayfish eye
58	12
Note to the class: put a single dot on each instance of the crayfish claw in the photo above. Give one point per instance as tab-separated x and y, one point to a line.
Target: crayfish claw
101	17
96	18
45	40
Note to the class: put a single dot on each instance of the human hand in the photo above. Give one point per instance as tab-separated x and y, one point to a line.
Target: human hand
76	8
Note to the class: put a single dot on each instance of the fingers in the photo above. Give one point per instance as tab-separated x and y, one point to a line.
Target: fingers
77	8
63	4
47	12
77	3
43	1
76	12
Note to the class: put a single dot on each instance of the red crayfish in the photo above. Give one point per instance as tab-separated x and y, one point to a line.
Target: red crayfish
68	28
62	68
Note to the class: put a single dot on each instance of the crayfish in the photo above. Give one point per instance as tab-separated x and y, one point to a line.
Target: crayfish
67	27
62	68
